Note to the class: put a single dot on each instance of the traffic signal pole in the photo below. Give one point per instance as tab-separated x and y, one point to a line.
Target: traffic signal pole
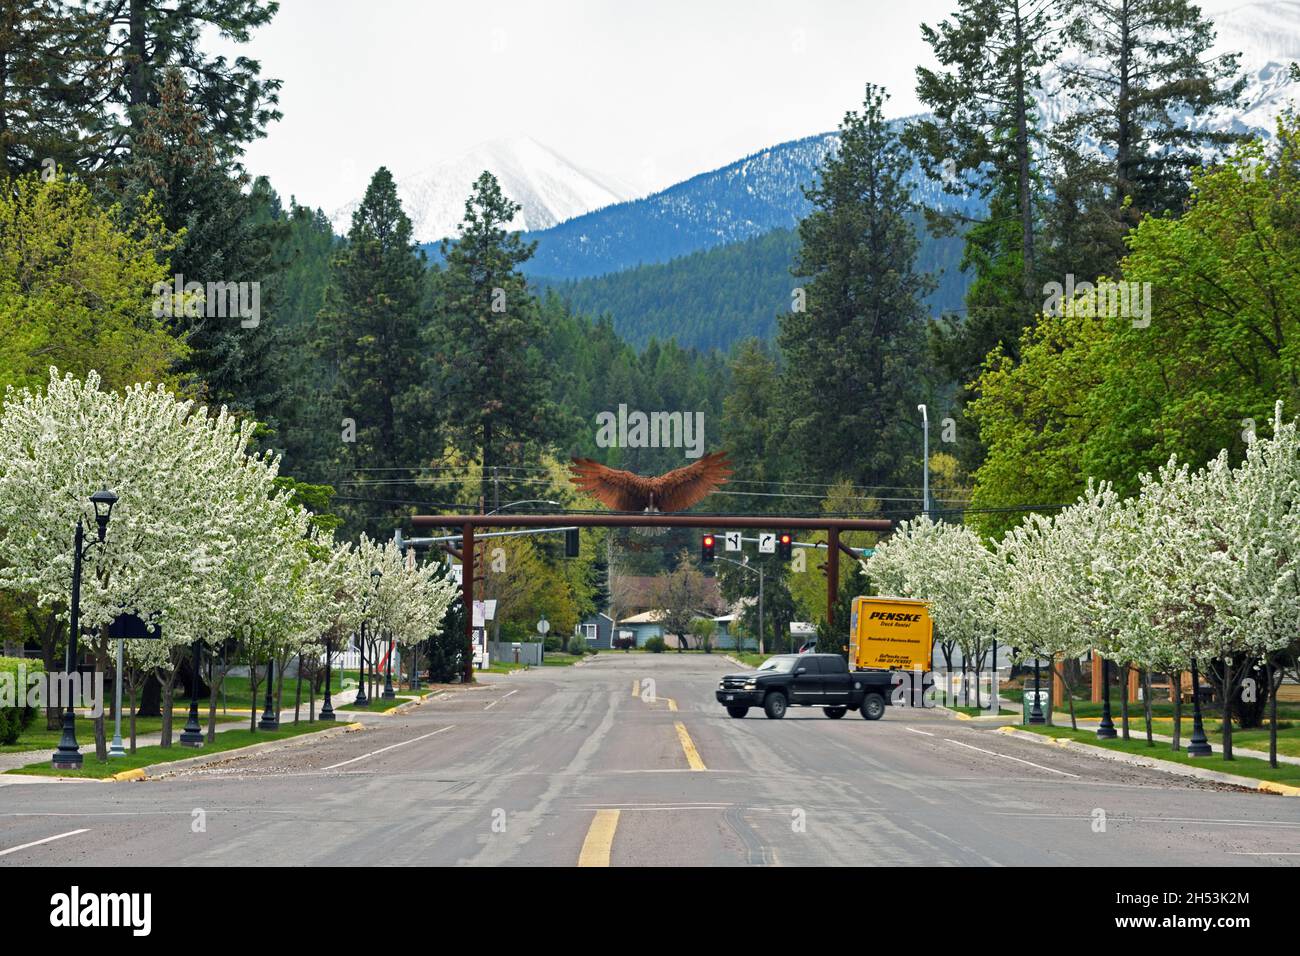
467	524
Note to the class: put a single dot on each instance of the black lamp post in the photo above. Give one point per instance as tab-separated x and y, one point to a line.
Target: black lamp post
68	754
389	694
270	720
1198	746
327	710
1036	712
362	700
192	735
1106	729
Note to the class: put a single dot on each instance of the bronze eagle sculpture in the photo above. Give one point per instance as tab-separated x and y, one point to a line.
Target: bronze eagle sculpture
675	491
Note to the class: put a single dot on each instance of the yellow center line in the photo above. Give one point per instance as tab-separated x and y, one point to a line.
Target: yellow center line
672	704
688	745
636	688
600	839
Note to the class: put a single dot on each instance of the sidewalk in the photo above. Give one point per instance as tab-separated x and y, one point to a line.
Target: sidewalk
21	758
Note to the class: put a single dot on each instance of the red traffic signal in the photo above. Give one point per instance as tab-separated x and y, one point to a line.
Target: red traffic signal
706	548
784	545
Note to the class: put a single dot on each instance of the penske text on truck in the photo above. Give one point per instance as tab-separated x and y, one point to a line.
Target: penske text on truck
888	632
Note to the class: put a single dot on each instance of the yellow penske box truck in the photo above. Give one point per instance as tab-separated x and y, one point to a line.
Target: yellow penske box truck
890	633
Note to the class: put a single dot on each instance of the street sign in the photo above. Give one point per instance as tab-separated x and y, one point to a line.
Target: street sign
733	541
132	628
767	542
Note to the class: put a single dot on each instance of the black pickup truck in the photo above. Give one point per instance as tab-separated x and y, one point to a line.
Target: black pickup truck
806	680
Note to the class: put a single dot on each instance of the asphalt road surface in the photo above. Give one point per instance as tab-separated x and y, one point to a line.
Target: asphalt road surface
575	765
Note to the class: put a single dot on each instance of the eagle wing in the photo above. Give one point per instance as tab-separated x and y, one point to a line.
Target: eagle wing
683	487
616	490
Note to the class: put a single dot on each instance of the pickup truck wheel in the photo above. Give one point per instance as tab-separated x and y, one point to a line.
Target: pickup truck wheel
737	711
774	705
873	707
834	713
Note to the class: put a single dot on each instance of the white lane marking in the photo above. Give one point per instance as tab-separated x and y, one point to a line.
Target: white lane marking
994	753
915	731
400	743
58	836
1276	853
500	699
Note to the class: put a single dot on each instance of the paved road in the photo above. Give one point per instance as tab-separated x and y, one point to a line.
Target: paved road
563	765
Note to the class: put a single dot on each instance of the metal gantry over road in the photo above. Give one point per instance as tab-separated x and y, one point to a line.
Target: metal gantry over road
468	524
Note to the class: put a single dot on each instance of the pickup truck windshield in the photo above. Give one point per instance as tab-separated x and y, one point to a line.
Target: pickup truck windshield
782	665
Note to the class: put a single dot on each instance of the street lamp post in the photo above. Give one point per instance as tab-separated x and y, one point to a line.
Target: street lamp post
389	693
1199	745
925	459
116	749
327	709
362	700
192	735
1036	712
270	720
68	754
1106	729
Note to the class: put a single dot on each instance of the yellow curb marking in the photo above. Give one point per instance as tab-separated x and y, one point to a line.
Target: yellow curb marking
688	746
600	839
136	774
1284	789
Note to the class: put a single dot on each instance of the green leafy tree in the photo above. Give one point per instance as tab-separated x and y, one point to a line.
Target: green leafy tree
143	39
1144	77
861	336
224	238
486	365
74	284
369	333
982	136
50	69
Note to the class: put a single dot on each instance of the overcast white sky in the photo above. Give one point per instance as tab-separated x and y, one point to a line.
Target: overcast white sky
646	93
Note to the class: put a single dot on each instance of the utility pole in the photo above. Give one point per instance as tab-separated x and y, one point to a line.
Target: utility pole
925	459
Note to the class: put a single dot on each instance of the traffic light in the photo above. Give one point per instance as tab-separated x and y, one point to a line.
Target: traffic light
706	548
784	545
571	543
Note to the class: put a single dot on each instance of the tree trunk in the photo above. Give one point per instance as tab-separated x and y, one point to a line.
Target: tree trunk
1176	695
135	691
252	714
297	697
1123	698
100	658
168	705
1227	708
1146	703
1272	713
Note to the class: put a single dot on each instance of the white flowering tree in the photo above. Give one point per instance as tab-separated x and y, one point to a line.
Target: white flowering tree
1257	597
948	566
158	455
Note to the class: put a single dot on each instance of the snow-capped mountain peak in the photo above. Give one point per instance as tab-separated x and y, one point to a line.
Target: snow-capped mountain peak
548	187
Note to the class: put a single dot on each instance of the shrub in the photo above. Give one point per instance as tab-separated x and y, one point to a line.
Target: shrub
553	644
15	719
624	643
577	645
655	645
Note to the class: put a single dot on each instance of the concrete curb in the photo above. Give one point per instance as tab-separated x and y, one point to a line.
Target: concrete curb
159	770
1154	763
